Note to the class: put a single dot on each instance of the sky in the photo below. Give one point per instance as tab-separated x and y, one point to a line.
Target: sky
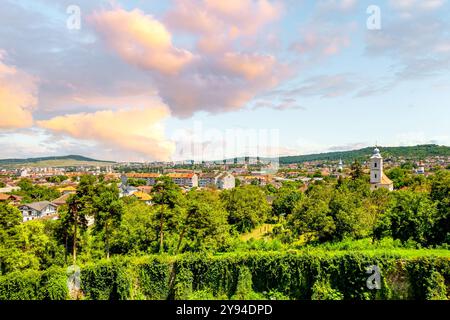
210	79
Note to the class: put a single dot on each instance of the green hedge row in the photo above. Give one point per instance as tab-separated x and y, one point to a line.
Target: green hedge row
34	285
253	275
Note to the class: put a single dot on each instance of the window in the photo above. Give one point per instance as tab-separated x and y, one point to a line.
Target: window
375	175
375	165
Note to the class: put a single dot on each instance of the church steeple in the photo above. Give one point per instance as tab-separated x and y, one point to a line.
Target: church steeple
377	177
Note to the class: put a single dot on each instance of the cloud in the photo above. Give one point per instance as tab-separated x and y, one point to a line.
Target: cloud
225	20
17	96
213	81
320	39
324	86
409	5
141	40
128	130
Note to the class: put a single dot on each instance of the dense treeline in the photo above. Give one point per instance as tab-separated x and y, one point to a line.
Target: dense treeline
415	152
332	214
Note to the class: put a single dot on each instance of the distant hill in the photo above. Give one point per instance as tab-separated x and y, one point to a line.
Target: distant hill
413	153
62	161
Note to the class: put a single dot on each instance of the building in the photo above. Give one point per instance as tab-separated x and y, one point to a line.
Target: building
208	179
67	190
189	180
150	178
221	180
142	196
226	181
38	210
62	200
13	199
340	165
377	177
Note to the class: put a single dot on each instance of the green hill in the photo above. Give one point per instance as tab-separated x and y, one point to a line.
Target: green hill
412	153
59	161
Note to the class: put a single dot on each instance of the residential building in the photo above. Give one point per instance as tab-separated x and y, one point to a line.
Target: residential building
184	179
38	210
150	178
208	179
13	199
226	181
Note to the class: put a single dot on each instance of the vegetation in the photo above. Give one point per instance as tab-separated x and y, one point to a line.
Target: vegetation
416	152
235	244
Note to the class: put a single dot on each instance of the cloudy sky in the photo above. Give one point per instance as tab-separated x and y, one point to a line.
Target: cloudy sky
182	79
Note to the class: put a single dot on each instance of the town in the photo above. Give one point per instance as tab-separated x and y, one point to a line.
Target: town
136	180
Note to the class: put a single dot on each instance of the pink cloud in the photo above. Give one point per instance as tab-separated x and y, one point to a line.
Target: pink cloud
127	130
18	92
141	40
228	20
218	78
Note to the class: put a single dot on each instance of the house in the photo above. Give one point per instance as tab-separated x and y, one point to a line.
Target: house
146	189
10	198
226	181
38	210
142	196
62	200
8	189
67	190
189	180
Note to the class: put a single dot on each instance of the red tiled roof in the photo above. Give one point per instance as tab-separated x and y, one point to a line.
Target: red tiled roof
143	175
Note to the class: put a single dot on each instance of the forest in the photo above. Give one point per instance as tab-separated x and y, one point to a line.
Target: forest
250	242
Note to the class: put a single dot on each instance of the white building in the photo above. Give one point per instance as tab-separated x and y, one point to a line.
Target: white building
226	181
37	210
377	177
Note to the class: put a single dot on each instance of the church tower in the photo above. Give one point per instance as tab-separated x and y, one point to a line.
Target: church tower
376	167
377	177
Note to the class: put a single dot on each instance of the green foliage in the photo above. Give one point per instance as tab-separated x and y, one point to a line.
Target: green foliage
137	182
412	217
416	152
106	280
247	207
322	290
34	285
57	179
287	197
34	193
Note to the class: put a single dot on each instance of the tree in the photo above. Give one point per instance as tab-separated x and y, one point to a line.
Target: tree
287	197
204	224
137	232
108	211
312	214
247	207
412	216
356	170
79	207
440	193
168	197
10	217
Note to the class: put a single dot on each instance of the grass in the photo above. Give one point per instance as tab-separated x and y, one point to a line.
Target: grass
259	233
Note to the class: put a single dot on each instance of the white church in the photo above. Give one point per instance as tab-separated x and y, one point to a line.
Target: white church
377	177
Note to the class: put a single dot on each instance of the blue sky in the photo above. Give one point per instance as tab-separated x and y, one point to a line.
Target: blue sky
138	77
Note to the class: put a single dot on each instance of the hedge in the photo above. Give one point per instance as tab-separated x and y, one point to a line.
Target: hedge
252	275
